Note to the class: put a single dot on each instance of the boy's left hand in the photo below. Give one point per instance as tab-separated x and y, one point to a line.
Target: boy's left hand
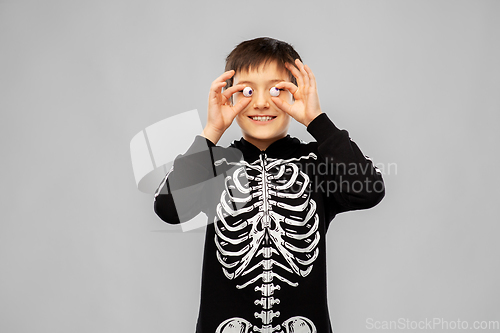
306	106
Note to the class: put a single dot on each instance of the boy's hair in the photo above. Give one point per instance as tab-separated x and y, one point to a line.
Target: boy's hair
252	53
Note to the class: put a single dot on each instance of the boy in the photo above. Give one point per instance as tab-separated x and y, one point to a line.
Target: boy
269	208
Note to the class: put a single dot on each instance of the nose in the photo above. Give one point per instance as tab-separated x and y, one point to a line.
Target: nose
261	100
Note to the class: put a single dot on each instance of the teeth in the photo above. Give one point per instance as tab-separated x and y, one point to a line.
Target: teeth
267	118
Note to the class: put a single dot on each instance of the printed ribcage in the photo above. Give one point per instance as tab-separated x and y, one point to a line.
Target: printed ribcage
266	222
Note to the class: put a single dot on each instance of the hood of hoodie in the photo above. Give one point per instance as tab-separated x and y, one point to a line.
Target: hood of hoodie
280	148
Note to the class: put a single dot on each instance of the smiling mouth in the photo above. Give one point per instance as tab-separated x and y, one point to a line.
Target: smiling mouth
262	118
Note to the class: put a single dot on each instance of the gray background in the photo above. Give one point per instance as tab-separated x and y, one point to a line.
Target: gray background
415	83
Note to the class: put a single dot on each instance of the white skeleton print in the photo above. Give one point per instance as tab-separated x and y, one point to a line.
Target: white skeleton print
266	231
264	261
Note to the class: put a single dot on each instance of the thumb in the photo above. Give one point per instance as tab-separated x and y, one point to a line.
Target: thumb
282	105
240	106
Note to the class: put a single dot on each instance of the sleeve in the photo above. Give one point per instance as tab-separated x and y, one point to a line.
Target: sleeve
179	196
352	182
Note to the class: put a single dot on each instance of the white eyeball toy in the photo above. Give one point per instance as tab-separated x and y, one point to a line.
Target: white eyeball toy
274	91
247	92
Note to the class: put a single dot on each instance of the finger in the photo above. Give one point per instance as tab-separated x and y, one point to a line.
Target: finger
216	84
284	106
241	105
296	73
226	95
312	78
226	75
228	92
215	89
303	72
292	88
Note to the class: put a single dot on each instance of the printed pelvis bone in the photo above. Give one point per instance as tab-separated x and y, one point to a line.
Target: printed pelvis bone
295	324
266	210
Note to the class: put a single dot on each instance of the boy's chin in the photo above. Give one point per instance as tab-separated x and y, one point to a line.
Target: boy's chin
265	136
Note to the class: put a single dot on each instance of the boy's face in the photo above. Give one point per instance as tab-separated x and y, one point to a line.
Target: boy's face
263	133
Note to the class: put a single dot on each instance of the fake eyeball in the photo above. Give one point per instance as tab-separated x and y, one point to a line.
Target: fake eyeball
274	91
247	92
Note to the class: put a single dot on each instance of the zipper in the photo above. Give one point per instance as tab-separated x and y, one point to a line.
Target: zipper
266	220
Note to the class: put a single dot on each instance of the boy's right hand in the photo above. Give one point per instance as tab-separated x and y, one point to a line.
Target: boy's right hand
220	112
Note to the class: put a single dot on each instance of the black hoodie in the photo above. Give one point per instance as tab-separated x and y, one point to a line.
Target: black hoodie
264	263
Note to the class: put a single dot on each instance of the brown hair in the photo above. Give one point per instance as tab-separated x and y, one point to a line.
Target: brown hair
252	53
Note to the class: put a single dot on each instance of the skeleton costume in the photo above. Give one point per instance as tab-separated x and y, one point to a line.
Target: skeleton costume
264	263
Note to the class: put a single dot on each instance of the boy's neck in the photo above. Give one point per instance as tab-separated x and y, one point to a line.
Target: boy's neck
262	144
